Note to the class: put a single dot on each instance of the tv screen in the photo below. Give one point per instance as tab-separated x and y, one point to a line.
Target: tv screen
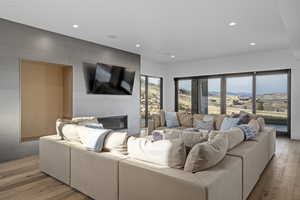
112	80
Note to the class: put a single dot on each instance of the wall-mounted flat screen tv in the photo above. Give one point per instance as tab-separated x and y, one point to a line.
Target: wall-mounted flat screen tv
112	80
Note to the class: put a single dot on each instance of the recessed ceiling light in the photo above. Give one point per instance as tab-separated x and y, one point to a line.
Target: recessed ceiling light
137	45
75	26
173	56
252	43
232	24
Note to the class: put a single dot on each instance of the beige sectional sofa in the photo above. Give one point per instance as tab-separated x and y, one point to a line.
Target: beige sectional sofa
94	174
112	176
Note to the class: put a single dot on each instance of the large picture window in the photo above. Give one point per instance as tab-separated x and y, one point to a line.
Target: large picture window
151	97
266	94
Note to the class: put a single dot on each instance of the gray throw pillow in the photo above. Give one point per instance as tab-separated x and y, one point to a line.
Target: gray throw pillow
203	125
171	119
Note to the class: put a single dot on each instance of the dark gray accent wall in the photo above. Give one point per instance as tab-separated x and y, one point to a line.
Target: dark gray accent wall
22	42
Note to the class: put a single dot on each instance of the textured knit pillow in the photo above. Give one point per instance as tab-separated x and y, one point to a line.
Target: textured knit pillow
203	125
171	120
206	155
254	125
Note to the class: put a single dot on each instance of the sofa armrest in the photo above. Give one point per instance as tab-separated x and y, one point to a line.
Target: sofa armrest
151	126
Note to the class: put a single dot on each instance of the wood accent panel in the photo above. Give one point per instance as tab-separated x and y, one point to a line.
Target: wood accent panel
21	179
43	97
67	92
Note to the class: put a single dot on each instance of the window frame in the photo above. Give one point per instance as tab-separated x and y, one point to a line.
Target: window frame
146	95
224	77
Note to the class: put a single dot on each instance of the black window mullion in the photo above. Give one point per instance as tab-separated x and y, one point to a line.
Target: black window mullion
254	93
146	101
223	95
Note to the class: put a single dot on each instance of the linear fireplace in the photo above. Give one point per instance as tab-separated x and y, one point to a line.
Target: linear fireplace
114	122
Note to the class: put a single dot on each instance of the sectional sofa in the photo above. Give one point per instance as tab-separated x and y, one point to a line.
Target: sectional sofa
111	176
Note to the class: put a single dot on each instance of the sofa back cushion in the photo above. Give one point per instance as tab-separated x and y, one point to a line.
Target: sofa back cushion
218	121
185	119
235	136
171	119
162	118
169	153
206	155
156	120
116	142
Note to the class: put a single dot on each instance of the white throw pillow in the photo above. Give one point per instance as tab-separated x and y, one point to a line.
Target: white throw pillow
91	138
70	133
169	153
115	142
206	155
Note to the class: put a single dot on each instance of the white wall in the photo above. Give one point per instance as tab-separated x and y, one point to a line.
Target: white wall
152	68
271	60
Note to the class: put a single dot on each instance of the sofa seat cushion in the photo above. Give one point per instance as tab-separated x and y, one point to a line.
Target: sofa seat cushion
141	180
171	153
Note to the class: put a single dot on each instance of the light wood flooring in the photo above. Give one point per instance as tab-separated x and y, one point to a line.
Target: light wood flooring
22	180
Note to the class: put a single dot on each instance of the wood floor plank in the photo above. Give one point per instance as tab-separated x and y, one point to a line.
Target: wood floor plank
22	180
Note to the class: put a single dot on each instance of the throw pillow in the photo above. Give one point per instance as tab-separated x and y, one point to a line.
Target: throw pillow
92	139
262	124
249	132
228	123
91	125
206	155
208	118
254	125
185	119
115	142
190	139
171	120
77	120
70	132
169	153
203	125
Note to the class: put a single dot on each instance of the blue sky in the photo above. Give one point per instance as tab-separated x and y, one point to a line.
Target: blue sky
266	84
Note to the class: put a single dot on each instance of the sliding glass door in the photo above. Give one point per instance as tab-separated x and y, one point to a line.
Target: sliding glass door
184	92
239	94
214	96
266	94
151	97
272	99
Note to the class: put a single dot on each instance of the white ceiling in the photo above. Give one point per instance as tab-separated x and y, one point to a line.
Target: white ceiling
189	29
